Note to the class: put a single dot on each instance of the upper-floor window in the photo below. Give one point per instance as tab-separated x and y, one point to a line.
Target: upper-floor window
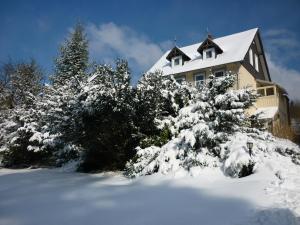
176	61
209	53
180	79
256	62
199	79
251	56
219	73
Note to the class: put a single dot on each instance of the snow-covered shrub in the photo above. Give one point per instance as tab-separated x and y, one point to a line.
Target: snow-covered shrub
20	139
158	101
236	157
213	117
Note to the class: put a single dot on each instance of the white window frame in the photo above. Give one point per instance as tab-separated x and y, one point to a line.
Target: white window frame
175	58
180	79
199	83
223	71
213	53
256	62
251	56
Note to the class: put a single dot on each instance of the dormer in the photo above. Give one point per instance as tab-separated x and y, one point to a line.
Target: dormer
177	57
209	49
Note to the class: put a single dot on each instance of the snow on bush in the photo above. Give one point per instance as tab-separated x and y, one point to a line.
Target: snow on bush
211	132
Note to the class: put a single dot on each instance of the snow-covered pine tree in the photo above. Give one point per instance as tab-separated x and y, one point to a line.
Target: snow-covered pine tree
59	103
217	111
19	83
106	131
48	122
72	62
22	83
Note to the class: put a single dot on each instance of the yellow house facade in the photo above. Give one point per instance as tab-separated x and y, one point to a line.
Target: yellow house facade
242	54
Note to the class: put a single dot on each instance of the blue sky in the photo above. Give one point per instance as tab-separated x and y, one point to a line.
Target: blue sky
141	30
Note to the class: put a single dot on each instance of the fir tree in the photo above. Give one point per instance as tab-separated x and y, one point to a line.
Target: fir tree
20	83
72	62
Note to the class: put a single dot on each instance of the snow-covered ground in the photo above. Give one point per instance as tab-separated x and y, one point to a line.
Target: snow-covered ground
53	197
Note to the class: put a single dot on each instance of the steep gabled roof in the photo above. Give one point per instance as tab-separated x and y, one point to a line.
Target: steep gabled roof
176	52
234	48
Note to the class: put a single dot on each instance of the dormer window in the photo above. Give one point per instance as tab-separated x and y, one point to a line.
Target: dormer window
176	61
209	53
177	57
209	49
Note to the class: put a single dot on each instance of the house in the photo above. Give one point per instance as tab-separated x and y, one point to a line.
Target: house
241	53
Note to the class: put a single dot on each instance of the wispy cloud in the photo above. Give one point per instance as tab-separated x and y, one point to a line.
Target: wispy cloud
282	44
109	41
287	78
283	48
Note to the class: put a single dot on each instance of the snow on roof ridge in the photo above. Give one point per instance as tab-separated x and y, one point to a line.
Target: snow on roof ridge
234	46
214	39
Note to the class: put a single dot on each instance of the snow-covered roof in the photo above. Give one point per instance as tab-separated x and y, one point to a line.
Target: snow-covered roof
266	112
234	48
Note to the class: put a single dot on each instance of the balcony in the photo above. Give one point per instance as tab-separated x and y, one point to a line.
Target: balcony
269	96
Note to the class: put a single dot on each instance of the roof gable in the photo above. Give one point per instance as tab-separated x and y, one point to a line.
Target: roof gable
177	52
209	43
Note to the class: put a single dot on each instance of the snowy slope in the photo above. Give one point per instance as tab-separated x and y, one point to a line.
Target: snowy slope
52	197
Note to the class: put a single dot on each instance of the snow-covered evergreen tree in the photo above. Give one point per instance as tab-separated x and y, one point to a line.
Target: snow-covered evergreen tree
158	100
106	131
19	84
72	62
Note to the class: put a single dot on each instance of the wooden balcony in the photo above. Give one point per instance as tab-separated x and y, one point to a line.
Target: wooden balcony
269	96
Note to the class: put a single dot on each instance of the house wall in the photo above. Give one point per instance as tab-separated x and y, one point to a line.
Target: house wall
246	79
190	76
283	105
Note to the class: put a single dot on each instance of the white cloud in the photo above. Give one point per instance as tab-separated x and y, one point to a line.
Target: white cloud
283	48
109	41
287	78
282	44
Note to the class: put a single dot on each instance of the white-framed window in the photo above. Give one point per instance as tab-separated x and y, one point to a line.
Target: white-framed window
177	61
219	73
180	79
251	56
209	53
256	62
199	79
